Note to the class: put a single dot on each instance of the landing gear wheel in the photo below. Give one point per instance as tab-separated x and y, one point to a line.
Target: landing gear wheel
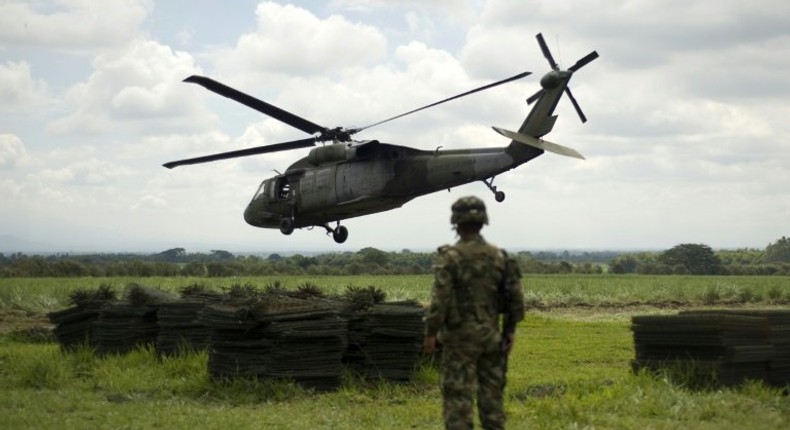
340	234
498	195
286	226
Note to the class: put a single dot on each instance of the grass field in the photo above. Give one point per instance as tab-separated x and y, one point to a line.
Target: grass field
570	367
542	291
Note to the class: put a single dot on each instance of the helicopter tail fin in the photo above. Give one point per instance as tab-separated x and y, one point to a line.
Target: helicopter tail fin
539	143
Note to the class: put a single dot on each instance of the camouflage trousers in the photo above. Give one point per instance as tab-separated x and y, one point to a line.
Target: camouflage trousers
468	369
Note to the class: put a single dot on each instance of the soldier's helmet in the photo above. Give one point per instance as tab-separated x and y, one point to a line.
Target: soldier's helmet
469	209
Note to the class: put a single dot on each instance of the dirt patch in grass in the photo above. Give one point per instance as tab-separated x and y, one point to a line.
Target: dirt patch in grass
15	320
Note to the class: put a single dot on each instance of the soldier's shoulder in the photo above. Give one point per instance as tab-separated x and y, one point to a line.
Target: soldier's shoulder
443	249
446	253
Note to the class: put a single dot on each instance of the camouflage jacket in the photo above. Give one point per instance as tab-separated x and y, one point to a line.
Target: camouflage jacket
464	300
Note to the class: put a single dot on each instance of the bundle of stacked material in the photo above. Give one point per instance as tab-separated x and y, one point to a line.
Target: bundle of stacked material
123	326
385	340
778	336
278	337
74	326
179	328
306	344
728	348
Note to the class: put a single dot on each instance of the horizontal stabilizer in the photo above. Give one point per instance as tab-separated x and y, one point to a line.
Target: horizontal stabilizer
539	143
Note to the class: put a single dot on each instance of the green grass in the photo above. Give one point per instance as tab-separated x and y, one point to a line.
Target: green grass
542	291
48	294
564	373
570	367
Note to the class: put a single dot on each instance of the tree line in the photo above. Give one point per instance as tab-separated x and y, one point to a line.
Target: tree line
700	259
683	259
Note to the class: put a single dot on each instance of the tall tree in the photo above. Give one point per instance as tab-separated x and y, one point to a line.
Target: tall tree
778	252
697	259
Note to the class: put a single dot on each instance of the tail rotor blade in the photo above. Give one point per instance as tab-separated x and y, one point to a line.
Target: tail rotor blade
546	52
583	61
575	105
534	97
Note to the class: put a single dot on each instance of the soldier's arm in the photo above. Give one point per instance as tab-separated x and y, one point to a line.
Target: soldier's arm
440	295
516	290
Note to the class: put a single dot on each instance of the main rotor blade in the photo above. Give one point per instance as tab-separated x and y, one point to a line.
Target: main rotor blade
583	61
575	104
484	87
546	52
295	144
259	105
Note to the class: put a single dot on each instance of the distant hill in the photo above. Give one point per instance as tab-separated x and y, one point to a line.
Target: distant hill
10	244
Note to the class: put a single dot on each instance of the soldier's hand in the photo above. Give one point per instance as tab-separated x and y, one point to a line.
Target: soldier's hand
429	345
510	339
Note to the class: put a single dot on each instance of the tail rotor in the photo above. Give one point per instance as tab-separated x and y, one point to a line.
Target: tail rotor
556	69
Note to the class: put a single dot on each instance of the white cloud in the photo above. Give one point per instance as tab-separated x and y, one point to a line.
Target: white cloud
456	8
73	24
149	202
12	151
90	172
292	41
9	190
138	88
19	91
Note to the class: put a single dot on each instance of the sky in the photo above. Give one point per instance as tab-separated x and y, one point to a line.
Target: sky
687	139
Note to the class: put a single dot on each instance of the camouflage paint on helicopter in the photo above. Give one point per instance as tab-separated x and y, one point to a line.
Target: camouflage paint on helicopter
349	178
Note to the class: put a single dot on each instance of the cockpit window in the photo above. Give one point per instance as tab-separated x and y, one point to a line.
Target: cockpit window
261	190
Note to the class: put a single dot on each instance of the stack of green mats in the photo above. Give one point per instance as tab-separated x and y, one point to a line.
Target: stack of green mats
278	338
179	328
778	336
74	325
385	341
732	348
122	327
306	347
125	325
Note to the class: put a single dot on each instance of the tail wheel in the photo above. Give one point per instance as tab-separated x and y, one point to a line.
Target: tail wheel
340	234
499	196
286	226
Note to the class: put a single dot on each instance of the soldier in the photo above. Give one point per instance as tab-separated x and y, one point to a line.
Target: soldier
471	277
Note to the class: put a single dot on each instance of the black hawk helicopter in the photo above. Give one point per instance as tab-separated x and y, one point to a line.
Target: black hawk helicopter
349	178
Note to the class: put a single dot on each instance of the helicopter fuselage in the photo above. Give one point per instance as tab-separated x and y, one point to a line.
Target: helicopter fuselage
341	181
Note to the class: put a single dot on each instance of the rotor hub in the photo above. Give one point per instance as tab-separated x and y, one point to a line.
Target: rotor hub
551	80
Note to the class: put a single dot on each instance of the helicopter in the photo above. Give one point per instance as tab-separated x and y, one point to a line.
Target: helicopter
349	178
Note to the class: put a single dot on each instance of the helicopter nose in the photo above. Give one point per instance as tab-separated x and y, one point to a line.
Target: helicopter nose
250	217
255	215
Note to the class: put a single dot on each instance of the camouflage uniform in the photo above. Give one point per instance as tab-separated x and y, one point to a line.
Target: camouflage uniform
464	315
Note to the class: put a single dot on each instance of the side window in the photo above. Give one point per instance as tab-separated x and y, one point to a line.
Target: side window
283	189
